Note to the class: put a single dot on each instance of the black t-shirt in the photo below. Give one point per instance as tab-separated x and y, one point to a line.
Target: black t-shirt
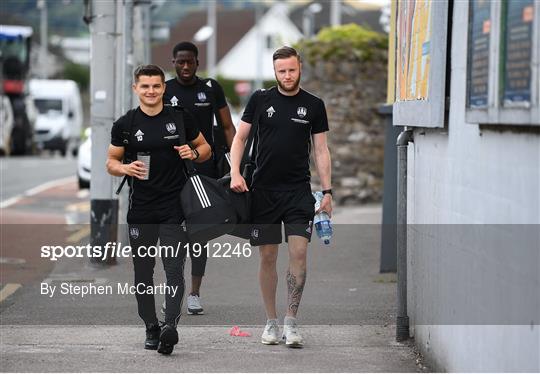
286	124
196	99
158	135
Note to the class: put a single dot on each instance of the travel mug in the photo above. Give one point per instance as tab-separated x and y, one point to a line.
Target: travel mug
145	158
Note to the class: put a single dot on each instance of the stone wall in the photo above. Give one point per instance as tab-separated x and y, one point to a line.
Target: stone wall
352	89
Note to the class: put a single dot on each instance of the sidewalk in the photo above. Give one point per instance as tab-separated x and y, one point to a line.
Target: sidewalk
347	316
202	349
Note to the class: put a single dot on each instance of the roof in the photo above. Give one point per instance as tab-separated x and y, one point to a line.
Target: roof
13	32
365	16
232	25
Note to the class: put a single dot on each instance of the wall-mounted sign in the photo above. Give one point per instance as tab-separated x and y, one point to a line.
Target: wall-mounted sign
414	49
420	63
478	53
517	38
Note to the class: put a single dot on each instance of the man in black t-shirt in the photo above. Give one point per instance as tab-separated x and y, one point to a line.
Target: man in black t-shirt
290	120
148	137
204	98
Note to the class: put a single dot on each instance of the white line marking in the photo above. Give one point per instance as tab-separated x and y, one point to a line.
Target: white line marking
34	191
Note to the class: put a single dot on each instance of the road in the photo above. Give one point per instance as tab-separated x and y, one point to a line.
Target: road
19	174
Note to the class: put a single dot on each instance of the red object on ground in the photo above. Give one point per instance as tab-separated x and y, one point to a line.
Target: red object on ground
235	331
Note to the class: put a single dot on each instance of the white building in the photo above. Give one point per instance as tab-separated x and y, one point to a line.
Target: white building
473	209
274	30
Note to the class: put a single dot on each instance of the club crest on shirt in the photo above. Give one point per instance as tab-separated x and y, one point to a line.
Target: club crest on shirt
201	96
270	111
171	127
174	101
139	135
301	111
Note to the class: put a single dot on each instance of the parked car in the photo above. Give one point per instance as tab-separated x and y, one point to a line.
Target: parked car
6	125
84	160
59	119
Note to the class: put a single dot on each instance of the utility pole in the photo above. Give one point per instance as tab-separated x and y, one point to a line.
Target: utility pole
211	45
141	32
335	12
103	208
124	96
259	50
43	37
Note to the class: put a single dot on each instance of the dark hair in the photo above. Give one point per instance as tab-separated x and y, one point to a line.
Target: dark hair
285	52
185	46
149	70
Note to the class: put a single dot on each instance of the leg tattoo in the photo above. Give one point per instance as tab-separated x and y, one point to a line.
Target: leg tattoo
295	287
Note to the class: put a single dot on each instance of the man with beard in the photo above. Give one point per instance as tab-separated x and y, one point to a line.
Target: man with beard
204	98
290	120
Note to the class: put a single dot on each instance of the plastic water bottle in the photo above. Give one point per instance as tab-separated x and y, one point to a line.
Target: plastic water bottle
322	223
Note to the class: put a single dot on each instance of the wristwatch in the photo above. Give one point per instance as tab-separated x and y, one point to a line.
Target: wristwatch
328	191
196	153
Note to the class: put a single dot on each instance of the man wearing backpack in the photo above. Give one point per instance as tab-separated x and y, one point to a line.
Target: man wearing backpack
290	120
205	99
160	135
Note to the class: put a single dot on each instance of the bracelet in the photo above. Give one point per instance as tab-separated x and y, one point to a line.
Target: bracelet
329	191
196	153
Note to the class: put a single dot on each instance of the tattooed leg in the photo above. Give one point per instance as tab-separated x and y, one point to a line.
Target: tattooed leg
296	274
295	285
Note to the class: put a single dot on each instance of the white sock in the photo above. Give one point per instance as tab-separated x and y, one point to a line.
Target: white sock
274	321
289	321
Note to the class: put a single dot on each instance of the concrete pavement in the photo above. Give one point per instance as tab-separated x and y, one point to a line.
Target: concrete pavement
335	348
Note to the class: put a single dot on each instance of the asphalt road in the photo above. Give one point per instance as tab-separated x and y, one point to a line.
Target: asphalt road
19	174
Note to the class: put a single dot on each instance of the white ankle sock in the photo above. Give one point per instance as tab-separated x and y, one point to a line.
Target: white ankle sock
289	320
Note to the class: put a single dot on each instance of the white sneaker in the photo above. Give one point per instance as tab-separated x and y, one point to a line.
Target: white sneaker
194	305
291	336
270	334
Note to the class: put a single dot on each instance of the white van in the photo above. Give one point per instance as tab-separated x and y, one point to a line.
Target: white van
59	119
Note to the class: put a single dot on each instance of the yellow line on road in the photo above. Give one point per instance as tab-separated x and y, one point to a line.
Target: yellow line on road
83	206
8	290
78	235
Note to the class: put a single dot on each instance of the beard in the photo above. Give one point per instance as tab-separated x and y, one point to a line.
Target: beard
290	89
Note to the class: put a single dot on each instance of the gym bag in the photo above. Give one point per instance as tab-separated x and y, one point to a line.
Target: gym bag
207	207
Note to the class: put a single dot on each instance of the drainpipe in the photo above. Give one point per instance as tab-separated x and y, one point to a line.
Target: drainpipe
402	323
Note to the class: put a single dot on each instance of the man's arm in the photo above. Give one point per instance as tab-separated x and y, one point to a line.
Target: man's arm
324	169
200	145
116	167
238	184
228	125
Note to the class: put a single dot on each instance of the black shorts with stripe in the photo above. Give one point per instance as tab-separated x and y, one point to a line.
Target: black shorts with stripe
269	209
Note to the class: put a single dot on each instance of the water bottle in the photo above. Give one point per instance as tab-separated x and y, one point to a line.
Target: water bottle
322	223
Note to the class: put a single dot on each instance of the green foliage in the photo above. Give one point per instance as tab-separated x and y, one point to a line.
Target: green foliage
78	73
228	89
344	42
230	93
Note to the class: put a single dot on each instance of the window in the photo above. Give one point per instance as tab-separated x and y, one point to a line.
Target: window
503	62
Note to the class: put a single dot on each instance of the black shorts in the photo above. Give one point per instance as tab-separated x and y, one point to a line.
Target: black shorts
270	208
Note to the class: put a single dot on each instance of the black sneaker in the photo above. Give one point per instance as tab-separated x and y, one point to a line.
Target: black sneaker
167	339
152	336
